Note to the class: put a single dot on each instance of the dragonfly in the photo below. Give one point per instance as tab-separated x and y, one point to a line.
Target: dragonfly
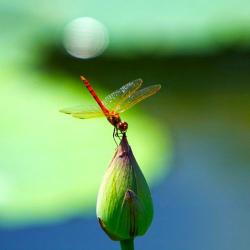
114	104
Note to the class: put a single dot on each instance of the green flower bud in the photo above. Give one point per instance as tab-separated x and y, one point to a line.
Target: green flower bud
124	204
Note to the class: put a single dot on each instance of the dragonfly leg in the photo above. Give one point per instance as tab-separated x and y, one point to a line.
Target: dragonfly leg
120	134
115	135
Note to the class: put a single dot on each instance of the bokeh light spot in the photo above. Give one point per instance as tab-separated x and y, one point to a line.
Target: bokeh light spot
85	37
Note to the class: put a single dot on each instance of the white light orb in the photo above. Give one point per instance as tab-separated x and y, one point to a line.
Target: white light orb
85	37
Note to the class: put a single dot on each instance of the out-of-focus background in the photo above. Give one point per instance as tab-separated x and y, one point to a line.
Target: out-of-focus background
191	140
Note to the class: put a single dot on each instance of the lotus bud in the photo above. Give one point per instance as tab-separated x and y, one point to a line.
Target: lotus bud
124	203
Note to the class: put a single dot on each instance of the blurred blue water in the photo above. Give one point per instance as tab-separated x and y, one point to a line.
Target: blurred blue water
203	204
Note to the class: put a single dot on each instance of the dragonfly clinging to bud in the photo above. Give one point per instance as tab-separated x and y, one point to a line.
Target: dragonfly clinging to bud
113	104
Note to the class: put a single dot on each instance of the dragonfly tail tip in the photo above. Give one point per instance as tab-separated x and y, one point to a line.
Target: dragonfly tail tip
82	78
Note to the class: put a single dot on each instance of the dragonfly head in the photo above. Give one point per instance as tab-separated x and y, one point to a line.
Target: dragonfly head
122	126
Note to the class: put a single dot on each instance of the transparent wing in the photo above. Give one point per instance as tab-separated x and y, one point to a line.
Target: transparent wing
112	101
138	96
83	111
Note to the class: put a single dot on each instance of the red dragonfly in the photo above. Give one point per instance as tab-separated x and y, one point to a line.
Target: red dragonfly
113	104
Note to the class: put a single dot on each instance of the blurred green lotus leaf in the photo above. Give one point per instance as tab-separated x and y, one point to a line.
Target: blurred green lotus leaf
51	164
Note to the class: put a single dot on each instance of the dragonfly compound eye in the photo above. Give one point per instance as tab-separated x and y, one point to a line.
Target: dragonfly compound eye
122	126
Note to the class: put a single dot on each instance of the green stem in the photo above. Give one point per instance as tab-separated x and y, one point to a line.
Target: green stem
127	244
